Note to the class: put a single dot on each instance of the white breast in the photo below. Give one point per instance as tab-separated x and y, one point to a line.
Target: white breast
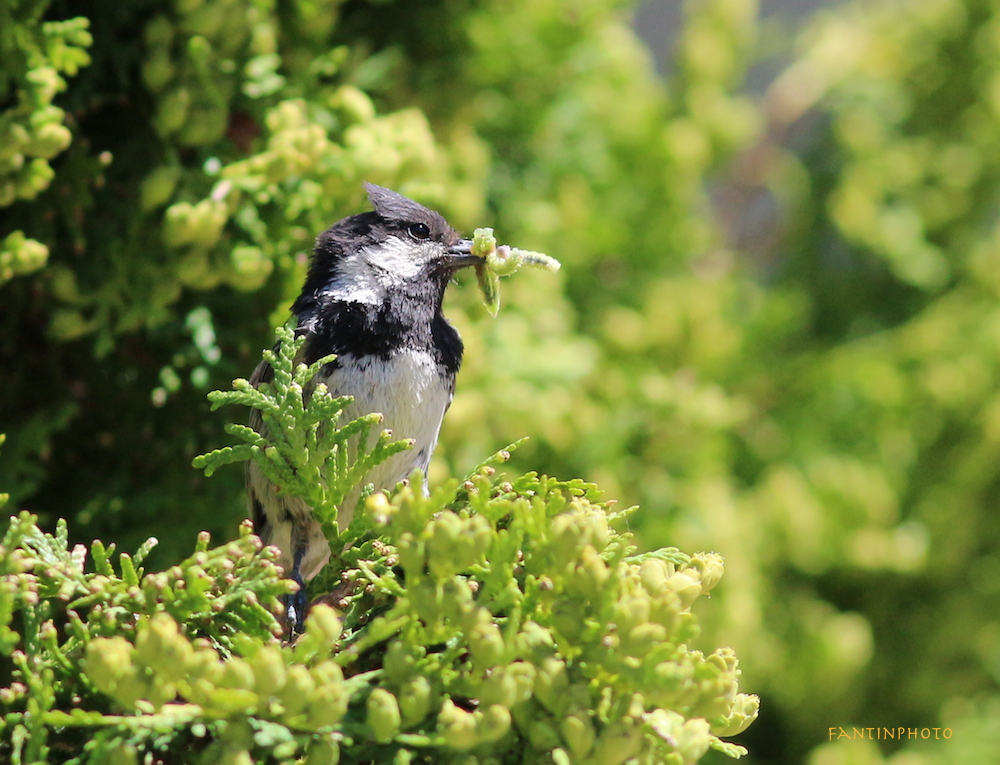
411	394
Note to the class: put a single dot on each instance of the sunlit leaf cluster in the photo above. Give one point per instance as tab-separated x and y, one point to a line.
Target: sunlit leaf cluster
491	621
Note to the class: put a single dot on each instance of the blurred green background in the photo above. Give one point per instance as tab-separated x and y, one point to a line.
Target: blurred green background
777	327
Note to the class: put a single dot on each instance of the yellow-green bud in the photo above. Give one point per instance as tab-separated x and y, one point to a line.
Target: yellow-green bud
654	573
483	242
590	574
477	537
268	670
172	111
8	192
195	270
415	700
710	567
493	723
11	163
298	689
354	103
159	32
251	267
160	646
237	674
106	661
204	19
20	255
723	658
237	733
287	115
158	187
46	82
383	715
442	536
232	756
160	691
203	125
177	225
324	622
48	140
398	663
744	710
158	70
323	750
630	611
578	731
686	585
63	284
694	740
617	743
532	640
327	706
11	139
209	218
519	679
458	727
458	603
379	509
34	178
129	688
503	261
573	531
643	638
327	673
551	683
568	616
489	286
120	754
542	733
381	628
486	645
411	554
204	662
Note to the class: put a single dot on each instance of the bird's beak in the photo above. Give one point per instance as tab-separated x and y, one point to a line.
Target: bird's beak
460	255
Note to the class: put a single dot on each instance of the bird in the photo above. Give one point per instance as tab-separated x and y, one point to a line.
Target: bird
373	296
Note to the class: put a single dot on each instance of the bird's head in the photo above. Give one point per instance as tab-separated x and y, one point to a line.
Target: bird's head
400	248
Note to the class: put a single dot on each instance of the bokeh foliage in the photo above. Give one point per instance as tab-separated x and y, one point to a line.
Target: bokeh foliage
775	328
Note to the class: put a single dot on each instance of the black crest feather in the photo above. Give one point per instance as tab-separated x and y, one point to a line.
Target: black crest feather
393	206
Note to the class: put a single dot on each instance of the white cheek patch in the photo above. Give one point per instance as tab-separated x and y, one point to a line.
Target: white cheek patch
355	282
364	276
399	259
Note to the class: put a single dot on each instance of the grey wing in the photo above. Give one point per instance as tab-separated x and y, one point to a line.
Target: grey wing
424	458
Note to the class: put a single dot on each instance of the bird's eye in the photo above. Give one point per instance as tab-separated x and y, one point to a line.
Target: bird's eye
418	230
